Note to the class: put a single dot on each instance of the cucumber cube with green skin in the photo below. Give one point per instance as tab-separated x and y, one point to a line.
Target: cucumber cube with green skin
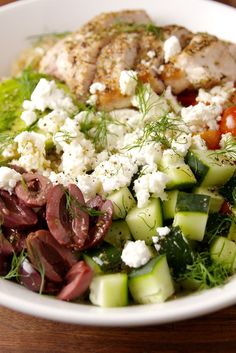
151	283
223	251
168	206
210	168
143	222
105	258
216	200
109	290
118	234
192	214
228	191
232	231
122	201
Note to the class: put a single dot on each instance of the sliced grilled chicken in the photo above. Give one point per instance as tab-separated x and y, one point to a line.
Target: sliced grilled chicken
183	34
73	59
204	62
118	55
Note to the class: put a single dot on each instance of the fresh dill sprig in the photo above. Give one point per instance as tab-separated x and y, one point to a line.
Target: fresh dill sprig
205	272
72	202
156	131
15	265
125	27
229	148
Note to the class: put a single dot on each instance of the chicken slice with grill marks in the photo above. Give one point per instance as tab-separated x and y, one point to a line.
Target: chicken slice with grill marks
151	53
206	61
118	55
73	59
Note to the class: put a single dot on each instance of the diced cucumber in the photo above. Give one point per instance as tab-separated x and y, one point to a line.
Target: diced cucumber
216	200
118	234
109	290
190	284
228	191
168	206
218	224
178	251
192	214
232	231
151	283
105	258
143	222
223	251
181	175
210	169
122	201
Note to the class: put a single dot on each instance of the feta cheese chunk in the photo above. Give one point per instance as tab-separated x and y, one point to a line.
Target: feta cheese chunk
128	82
171	48
162	231
115	173
97	87
53	121
201	116
136	253
47	95
8	178
218	95
29	117
152	183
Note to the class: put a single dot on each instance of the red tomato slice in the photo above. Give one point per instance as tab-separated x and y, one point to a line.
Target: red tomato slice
228	121
212	138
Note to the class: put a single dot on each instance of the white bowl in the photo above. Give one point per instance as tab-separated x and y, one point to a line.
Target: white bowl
20	20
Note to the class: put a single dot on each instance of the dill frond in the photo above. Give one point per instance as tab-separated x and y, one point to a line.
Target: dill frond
15	265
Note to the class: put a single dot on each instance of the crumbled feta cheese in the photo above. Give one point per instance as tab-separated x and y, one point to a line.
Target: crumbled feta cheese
27	267
218	95
201	116
182	143
171	48
59	178
31	147
115	173
153	183
136	253
149	153
97	87
128	82
77	157
89	185
53	121
162	231
47	95
151	54
29	117
8	178
198	143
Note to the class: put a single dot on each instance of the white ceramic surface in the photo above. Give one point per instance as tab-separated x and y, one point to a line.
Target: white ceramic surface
19	21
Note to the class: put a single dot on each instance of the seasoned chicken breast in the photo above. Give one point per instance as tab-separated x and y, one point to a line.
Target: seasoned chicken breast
204	62
73	59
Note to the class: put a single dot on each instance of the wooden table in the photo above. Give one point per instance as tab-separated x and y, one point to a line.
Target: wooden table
214	333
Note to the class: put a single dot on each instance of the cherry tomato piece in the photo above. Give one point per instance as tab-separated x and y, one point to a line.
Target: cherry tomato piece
228	121
187	98
212	138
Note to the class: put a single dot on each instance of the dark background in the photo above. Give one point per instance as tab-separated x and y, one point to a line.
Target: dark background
214	333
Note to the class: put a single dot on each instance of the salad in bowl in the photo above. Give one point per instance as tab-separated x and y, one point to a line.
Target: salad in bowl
118	173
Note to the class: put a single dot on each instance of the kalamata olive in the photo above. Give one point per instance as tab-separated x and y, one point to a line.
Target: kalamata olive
29	277
33	189
14	213
66	219
47	255
16	238
104	221
79	278
6	248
